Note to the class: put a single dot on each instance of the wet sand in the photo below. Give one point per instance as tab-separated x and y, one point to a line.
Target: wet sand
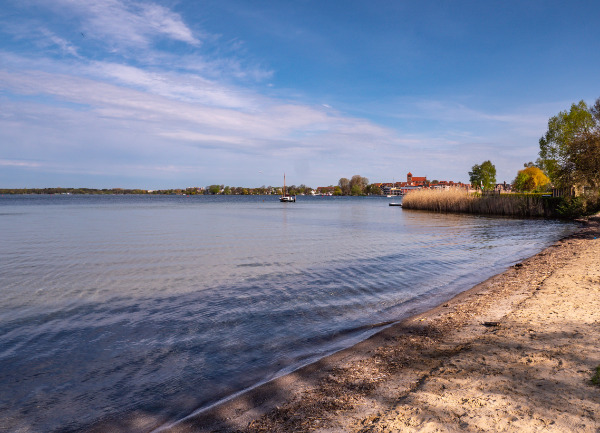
515	353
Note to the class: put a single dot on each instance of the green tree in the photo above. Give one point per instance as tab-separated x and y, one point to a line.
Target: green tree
555	146
373	189
358	184
337	191
483	175
530	179
214	189
583	162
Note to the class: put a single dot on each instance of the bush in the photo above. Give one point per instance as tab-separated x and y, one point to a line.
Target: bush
596	377
574	207
571	207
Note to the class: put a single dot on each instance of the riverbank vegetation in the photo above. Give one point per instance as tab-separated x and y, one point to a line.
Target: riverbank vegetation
460	201
570	155
568	166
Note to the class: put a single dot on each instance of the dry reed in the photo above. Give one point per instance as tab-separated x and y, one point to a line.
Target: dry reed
460	201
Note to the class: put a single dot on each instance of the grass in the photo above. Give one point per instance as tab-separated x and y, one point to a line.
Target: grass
459	201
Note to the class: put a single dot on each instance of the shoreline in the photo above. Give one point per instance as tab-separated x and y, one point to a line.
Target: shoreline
369	387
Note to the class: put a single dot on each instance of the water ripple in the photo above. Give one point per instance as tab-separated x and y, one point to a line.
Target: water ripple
161	305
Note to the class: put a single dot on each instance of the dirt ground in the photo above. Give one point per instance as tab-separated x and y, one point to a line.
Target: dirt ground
515	353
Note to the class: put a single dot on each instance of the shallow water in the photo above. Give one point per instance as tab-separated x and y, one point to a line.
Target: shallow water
161	305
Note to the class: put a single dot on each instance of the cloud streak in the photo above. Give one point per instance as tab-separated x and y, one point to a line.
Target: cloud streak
126	24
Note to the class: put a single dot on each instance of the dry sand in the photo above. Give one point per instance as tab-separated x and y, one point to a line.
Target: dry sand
515	353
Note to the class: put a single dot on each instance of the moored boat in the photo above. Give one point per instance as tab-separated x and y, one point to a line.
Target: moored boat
284	197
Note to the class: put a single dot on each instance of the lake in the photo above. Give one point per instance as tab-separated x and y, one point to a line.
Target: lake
161	305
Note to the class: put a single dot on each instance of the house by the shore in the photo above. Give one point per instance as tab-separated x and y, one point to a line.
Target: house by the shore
417	182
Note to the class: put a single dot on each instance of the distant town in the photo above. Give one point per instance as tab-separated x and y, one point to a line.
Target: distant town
356	185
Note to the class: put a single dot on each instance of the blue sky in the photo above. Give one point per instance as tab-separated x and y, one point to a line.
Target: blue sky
166	93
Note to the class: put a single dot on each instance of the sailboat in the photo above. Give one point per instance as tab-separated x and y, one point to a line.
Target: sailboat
284	197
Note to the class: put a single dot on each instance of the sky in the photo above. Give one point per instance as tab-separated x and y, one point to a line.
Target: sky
180	93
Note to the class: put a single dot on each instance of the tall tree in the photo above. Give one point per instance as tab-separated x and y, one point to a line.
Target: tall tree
358	184
483	175
344	185
555	145
583	163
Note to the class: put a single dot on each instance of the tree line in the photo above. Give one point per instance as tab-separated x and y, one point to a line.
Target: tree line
568	158
79	191
357	185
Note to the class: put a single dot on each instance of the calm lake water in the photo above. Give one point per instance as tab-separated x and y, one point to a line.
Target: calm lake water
156	306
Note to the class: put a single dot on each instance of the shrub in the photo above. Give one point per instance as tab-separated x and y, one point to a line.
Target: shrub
596	377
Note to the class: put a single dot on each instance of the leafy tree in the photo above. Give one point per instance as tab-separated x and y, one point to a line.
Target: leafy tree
373	189
530	179
344	185
337	191
583	162
214	189
358	184
303	189
555	146
483	175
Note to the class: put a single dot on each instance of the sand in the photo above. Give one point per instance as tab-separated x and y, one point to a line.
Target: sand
515	353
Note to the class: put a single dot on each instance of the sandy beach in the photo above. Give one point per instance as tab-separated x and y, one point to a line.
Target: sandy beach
515	353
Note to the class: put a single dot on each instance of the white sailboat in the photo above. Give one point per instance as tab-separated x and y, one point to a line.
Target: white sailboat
284	197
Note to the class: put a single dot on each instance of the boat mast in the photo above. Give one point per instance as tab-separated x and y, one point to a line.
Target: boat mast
283	195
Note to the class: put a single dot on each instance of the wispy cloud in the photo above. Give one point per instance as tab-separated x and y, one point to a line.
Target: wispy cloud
64	45
255	122
129	24
17	163
181	86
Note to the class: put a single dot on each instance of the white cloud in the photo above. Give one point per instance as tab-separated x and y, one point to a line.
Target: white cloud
183	87
256	122
110	118
65	46
126	24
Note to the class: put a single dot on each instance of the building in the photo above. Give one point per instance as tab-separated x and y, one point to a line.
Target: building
416	181
325	190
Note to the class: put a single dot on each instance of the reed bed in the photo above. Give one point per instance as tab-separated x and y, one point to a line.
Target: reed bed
460	201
